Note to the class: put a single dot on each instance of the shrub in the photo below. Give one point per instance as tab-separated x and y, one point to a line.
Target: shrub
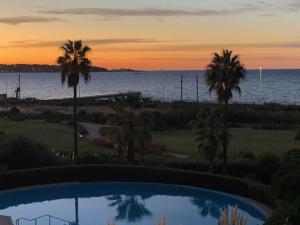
155	148
14	111
246	155
158	121
292	156
286	182
54	117
98	117
103	142
21	153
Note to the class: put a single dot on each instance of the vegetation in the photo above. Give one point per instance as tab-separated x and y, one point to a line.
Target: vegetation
210	133
74	63
223	75
21	153
286	186
132	129
276	142
56	136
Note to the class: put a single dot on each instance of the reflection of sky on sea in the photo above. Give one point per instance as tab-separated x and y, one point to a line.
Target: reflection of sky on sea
126	203
277	85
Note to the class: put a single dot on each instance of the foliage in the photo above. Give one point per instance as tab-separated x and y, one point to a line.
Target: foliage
223	75
131	129
297	136
21	153
292	156
210	134
234	218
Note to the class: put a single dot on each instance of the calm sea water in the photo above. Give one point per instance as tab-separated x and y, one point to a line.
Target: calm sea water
126	203
281	86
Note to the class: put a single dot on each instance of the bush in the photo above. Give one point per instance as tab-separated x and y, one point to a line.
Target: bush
286	186
14	111
98	117
286	183
246	155
155	148
102	142
22	153
292	156
54	117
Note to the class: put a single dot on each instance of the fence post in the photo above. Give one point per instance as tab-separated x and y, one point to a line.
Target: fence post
181	82
197	80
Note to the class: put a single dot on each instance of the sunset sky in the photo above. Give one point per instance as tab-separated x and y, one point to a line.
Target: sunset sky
153	34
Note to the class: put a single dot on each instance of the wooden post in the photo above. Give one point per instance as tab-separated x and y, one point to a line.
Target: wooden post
197	85
19	86
181	82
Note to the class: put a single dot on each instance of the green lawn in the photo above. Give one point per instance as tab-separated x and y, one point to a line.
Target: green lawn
60	137
54	135
245	139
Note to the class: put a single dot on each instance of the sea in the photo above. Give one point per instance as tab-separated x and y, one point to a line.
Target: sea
267	86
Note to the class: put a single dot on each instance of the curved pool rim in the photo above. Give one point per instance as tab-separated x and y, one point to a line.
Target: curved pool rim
262	208
237	187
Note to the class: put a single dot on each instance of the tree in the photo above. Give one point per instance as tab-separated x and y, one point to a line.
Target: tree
210	132
134	128
74	63
223	76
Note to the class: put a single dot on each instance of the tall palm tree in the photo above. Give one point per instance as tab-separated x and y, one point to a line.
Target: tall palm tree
74	63
223	76
209	131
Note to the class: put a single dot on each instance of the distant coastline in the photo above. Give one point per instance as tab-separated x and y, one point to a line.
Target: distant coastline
45	68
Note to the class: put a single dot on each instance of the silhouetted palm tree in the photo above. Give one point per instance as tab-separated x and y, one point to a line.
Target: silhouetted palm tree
223	76
209	131
134	129
74	63
130	208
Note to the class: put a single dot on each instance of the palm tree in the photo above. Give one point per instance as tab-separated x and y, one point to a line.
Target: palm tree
223	76
130	208
210	133
134	127
74	63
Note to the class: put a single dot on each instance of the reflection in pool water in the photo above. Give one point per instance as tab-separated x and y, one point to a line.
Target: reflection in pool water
127	203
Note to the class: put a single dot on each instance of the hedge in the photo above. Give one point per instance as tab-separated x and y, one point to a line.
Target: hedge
93	173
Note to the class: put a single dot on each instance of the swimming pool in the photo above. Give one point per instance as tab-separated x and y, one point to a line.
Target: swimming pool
125	203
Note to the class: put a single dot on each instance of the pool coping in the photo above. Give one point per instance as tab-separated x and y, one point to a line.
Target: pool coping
264	209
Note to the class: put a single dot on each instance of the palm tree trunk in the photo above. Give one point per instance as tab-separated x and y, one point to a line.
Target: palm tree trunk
75	123
211	166
225	144
76	212
130	149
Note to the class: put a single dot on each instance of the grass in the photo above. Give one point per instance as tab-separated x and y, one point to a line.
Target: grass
60	137
245	139
54	135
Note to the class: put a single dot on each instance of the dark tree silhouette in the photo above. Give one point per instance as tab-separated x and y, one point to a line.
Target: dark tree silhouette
210	134
130	208
134	127
223	76
74	63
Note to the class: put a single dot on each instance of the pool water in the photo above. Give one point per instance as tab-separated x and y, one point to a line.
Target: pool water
124	203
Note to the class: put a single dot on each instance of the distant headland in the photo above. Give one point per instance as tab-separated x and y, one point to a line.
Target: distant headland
44	68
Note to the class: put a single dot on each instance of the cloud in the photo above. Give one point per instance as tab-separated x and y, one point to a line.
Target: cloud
92	42
110	12
28	19
207	47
